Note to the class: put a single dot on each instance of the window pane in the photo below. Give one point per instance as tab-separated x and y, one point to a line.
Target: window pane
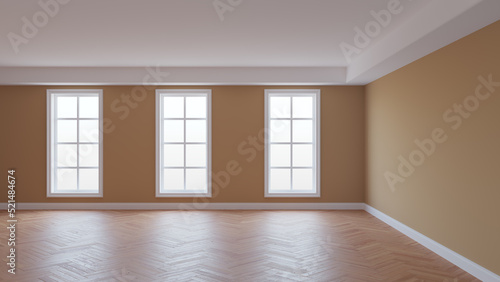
89	180
66	179
75	123
66	107
89	131
89	155
280	107
196	131
173	107
173	131
302	155
173	155
66	131
185	120
279	179
196	179
302	107
173	179
196	107
89	107
66	155
280	131
280	155
302	131
303	179
196	155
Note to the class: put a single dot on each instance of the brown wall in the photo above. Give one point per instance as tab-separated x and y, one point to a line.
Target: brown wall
453	197
129	149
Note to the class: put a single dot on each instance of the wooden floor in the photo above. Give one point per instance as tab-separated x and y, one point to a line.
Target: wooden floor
217	246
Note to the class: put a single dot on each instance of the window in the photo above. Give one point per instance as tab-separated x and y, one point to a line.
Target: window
74	143
183	143
292	143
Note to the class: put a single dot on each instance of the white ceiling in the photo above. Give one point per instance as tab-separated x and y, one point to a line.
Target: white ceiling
255	42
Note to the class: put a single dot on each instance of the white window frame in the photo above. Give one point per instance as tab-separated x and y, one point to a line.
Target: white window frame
316	94
159	140
52	94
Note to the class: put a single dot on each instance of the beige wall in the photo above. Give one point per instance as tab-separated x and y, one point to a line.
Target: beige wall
129	149
453	197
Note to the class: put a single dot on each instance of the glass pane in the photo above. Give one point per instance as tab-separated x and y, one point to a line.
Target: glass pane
302	107
302	131
196	131
280	131
280	155
279	179
302	155
173	179
89	155
196	179
279	107
173	155
173	107
66	131
89	131
89	107
196	107
66	179
303	179
66	155
89	180
196	155
66	107
173	131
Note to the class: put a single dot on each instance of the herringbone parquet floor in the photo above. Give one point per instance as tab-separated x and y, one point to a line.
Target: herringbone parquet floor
217	246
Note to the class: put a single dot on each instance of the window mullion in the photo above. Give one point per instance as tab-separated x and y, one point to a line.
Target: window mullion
291	143
54	146
162	143
57	99
169	187
185	145
275	100
314	145
77	144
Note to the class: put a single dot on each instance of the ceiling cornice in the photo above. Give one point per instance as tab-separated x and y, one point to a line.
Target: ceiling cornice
436	25
440	23
156	75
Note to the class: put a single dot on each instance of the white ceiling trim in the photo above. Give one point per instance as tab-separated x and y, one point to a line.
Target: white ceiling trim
439	24
172	75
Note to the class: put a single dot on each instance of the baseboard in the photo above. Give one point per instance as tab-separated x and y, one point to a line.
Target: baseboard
471	267
187	206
